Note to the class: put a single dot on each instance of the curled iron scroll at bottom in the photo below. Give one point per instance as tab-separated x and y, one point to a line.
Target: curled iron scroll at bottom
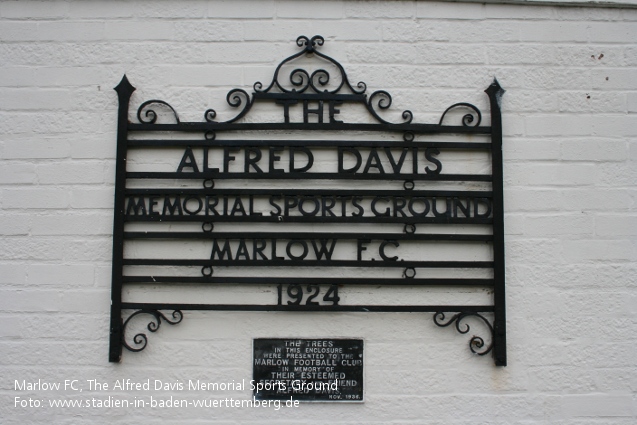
476	343
141	340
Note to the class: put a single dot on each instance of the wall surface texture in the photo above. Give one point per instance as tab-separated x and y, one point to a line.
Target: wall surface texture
570	174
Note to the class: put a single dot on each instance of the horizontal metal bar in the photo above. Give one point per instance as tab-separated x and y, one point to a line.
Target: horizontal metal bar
306	176
317	308
306	281
311	96
147	143
309	236
332	193
220	126
302	219
307	263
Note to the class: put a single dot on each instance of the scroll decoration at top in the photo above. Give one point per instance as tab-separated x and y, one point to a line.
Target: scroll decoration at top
303	85
301	78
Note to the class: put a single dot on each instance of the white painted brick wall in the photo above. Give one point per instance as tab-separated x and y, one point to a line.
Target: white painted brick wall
570	152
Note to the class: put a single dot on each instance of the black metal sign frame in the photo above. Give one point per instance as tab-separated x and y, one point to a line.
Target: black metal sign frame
321	112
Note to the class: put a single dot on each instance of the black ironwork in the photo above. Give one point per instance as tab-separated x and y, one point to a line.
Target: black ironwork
476	343
140	339
208	193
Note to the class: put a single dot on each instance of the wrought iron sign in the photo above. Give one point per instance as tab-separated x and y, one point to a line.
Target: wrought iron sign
308	369
240	203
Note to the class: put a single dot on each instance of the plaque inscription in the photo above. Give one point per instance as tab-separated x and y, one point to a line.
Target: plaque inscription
308	369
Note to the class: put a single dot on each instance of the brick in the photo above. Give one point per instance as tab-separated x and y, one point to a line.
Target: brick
62	328
572	80
41	148
57	274
534	251
450	54
615	225
513	224
74	173
632	102
14	224
13	327
202	76
19	31
594	150
633	151
614	78
252	9
34	9
531	101
35	198
523	54
612	32
353	30
406	31
614	379
384	53
12	274
532	149
16	76
615	304
616	174
566	174
98	248
93	148
274	31
101	10
553	32
68	122
592	101
92	198
72	224
596	405
71	76
437	10
230	30
319	9
13	173
596	199
133	31
589	14
596	250
33	99
196	9
559	125
32	248
629	55
505	11
71	31
540	200
375	10
625	124
484	31
583	277
602	55
581	224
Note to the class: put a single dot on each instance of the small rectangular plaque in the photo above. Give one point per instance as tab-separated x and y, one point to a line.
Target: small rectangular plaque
308	369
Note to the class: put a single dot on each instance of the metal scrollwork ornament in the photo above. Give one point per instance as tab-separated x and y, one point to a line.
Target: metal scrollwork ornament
146	115
235	98
476	344
304	81
469	118
140	339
